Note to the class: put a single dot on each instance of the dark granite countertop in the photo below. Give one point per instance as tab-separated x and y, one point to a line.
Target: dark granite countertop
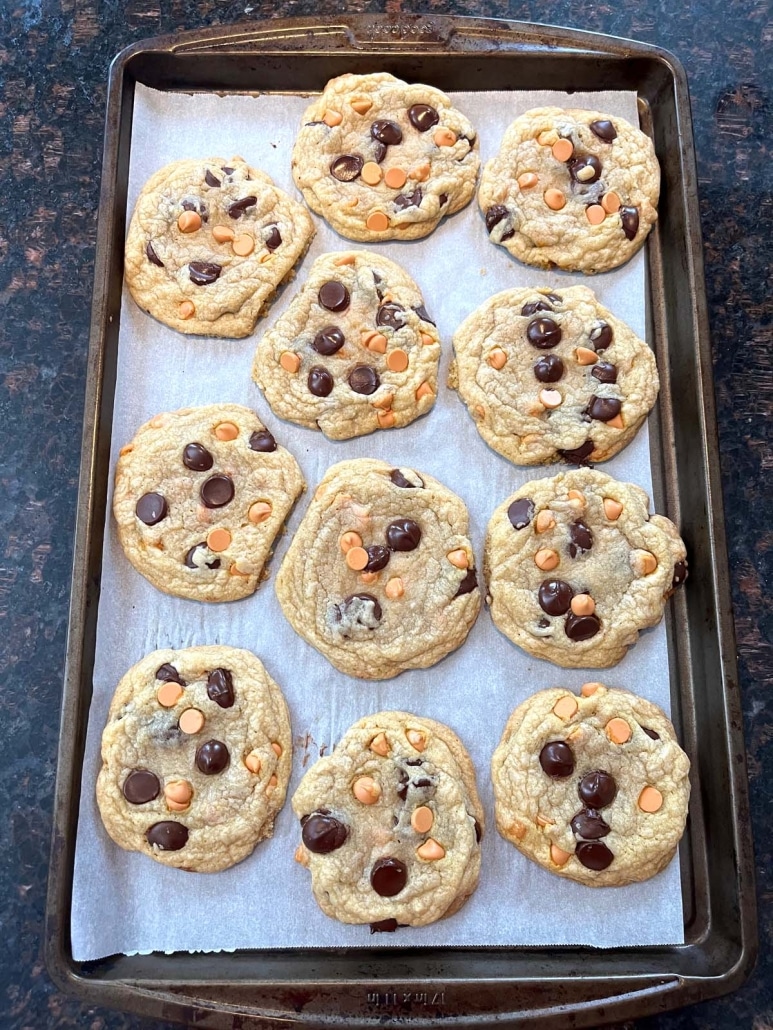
54	56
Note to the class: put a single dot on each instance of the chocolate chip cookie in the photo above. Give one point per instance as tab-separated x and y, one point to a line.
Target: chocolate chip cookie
196	757
571	189
380	159
355	351
380	576
576	567
199	496
550	375
594	788
209	242
391	823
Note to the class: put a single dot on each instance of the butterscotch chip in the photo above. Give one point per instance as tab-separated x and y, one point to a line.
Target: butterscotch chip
379	744
427	340
397	361
612	509
259	512
191	721
366	790
550	398
243	245
219	539
189	221
169	694
558	856
650	800
431	851
610	202
186	310
595	214
588	689
497	358
386	419
424	390
332	118
562	149
290	362
444	137
554	199
362	106
377	221
395	178
583	604
565	707
458	558
226	431
417	739
223	233
394	588
371	173
348	540
253	762
546	559
585	356
357	558
618	731
422	819
544	521
616	422
527	180
384	402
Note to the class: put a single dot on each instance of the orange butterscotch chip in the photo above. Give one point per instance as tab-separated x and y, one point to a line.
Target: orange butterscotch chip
345	259
187	309
650	800
383	402
595	214
616	422
586	356
178	794
218	540
265	256
189	221
444	137
369	577
126	449
332	118
243	245
290	361
386	419
377	221
349	540
424	390
547	138
497	358
588	689
544	521
527	180
558	856
618	731
395	178
647	562
394	588
611	203
576	498
431	851
276	747
252	761
223	233
518	830
373	340
259	512
583	604
366	790
191	721
546	559
562	149
169	694
226	431
422	819
543	822
565	707
301	855
554	199
612	509
416	739
550	398
458	558
236	571
426	339
420	173
272	783
357	558
361	106
397	360
371	173
380	745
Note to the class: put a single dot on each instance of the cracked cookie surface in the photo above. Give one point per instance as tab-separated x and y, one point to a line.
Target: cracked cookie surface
391	823
571	189
380	575
210	240
200	494
548	375
354	352
593	788
576	567
196	757
382	159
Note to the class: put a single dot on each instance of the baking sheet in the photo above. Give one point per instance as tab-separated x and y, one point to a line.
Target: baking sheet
124	902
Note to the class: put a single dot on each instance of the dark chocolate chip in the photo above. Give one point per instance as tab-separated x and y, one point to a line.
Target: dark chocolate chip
534	306
604	129
423	117
549	368
478	831
152	255
680	574
601	336
555	298
421	311
443	199
651	733
494	215
580	455
388	877
274	239
228	171
328	340
629	217
385	926
594	855
188	559
140	786
220	688
391	315
399	480
314	123
379	151
557	759
263	441
386	132
521	512
581	627
167	836
403	535
579	163
581	538
346	168
197	458
589	825
543	623
555	596
323	833
168	674
334	296
364	379
604	371
210	179
468	584
151	508
237	209
404	200
597	789
604	408
320	381
378	558
375	607
217	491
414	761
402	786
204	273
212	757
543	333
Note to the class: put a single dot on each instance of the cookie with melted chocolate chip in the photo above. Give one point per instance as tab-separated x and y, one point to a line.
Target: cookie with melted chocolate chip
380	576
200	494
196	757
209	242
576	567
382	159
571	189
391	823
552	375
594	788
354	352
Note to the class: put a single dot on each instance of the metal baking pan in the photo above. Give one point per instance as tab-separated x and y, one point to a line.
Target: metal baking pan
525	987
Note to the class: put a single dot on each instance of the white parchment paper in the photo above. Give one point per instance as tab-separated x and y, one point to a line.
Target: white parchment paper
124	902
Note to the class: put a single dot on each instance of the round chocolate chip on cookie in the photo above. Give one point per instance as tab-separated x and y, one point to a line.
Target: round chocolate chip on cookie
380	575
354	352
196	757
552	376
594	788
208	244
382	159
391	823
582	570
572	189
200	495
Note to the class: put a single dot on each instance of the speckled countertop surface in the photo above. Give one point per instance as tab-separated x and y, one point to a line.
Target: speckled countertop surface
54	56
